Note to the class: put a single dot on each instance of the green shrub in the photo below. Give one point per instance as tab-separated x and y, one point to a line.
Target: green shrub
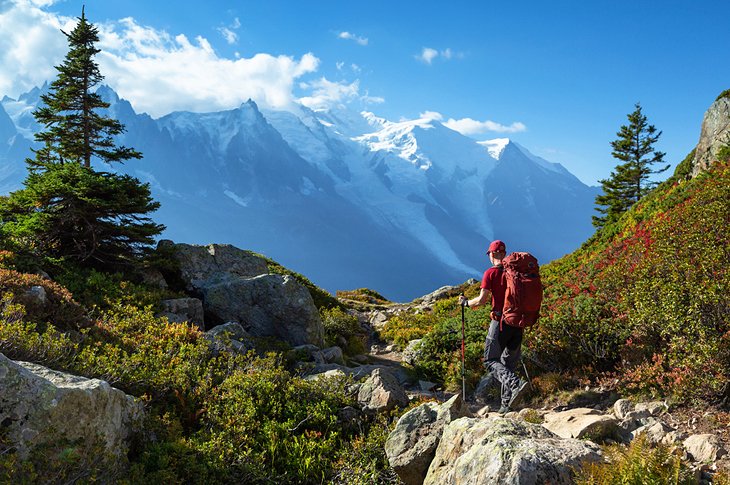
647	297
338	323
440	351
265	424
364	295
363	460
638	464
405	327
211	417
58	306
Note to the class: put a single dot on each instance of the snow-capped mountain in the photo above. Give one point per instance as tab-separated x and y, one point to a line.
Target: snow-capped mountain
348	199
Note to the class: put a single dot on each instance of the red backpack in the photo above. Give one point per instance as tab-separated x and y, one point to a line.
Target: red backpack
523	296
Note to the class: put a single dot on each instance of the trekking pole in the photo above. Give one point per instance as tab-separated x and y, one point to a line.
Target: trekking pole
524	367
463	359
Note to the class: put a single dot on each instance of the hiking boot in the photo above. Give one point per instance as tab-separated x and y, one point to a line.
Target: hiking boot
504	410
519	393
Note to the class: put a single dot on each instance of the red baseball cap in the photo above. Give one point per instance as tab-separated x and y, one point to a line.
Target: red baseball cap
496	247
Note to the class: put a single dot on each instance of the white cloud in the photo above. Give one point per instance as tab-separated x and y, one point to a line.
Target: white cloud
351	36
468	126
156	71
229	33
327	93
230	36
428	55
432	115
367	99
340	65
30	45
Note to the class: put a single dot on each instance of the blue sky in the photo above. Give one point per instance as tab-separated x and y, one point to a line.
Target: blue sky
557	77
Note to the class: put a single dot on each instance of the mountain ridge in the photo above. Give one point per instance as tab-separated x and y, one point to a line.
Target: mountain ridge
335	194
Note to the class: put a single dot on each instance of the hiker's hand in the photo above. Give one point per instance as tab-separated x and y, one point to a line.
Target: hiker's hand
463	301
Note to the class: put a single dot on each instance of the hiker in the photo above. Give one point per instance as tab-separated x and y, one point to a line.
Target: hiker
503	344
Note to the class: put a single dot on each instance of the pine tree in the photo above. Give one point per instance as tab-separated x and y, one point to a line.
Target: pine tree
68	211
76	132
629	182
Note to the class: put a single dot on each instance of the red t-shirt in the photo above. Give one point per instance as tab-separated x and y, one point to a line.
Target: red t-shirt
494	281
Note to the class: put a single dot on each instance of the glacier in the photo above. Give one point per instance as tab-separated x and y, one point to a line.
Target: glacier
347	198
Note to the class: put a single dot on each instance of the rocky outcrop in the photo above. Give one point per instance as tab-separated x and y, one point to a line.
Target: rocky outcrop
506	451
493	448
202	265
381	392
715	134
267	306
235	286
40	407
412	445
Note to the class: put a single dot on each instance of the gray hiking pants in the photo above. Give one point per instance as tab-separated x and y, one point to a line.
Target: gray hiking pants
502	350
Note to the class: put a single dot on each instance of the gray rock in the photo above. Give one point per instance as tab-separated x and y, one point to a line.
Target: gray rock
37	293
154	278
267	306
230	336
653	408
308	353
381	392
412	444
364	371
378	319
705	448
622	408
674	437
204	265
412	352
714	135
581	423
180	310
426	386
333	355
655	432
43	407
506	451
330	374
232	330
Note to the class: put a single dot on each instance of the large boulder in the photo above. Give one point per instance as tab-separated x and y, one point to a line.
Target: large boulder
40	407
506	451
202	265
412	444
714	135
268	305
381	392
582	423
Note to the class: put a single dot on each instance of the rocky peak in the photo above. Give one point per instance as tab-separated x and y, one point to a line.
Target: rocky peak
715	134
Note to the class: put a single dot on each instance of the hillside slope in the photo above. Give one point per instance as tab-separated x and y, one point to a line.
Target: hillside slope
649	296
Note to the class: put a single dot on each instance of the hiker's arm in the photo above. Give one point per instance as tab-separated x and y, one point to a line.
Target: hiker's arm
480	300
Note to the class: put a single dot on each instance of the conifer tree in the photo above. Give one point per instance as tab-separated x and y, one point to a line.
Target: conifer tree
629	182
76	132
67	210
